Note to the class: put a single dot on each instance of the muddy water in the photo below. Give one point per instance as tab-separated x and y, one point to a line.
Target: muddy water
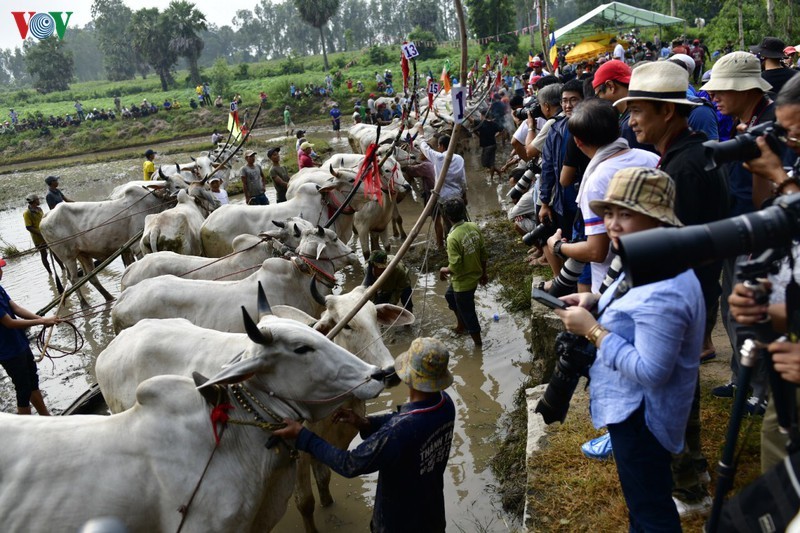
485	379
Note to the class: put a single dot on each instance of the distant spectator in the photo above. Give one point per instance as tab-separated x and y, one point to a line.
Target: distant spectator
218	101
305	155
287	121
215	138
263	97
167	105
32	217
336	120
54	194
253	181
206	94
79	110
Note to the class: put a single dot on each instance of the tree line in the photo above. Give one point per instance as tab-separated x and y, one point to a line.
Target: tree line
120	43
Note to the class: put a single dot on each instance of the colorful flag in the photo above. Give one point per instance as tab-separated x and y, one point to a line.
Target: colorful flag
446	76
404	69
234	127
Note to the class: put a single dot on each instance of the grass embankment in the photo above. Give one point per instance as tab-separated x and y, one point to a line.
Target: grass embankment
273	77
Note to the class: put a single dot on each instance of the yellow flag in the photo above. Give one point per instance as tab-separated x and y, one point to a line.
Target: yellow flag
234	127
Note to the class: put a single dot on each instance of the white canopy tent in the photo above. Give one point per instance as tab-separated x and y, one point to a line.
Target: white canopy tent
609	18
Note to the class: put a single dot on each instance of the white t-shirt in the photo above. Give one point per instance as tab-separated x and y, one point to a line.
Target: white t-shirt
541	137
594	187
221	196
619	52
522	132
455	181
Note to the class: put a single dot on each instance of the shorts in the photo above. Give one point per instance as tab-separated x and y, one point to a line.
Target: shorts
259	199
337	125
586	275
488	156
24	375
463	303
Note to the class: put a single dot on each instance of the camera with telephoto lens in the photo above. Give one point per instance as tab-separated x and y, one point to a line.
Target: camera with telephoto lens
663	253
538	237
743	147
575	356
524	183
533	111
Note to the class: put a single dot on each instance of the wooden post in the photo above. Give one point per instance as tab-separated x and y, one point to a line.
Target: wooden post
372	290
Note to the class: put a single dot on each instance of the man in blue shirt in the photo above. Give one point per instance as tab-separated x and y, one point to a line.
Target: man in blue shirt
409	449
336	120
16	357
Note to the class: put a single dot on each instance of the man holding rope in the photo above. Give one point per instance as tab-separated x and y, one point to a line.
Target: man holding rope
15	351
32	217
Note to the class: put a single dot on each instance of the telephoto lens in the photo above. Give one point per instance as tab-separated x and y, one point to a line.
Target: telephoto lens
538	237
575	356
567	280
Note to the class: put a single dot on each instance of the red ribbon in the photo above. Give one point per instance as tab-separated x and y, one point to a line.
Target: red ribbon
369	173
219	415
404	69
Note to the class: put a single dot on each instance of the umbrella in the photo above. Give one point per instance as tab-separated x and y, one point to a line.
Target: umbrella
585	50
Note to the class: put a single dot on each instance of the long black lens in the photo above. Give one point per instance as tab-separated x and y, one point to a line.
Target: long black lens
554	404
663	253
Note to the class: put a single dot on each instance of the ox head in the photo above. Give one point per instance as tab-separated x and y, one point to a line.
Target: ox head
289	361
288	232
340	184
322	243
362	335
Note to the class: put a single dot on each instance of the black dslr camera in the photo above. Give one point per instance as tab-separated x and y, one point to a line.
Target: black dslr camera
575	356
533	111
743	147
538	237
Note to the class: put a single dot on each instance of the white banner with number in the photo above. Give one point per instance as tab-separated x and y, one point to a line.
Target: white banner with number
459	96
410	50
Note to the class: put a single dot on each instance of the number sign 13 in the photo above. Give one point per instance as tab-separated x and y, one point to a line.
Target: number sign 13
410	50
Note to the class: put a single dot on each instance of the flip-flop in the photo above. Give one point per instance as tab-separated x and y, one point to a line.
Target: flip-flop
708	355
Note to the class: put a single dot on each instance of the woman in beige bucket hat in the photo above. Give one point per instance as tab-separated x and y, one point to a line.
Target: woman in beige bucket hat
647	341
408	448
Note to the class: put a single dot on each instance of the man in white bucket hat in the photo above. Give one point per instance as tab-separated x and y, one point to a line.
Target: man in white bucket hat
659	110
409	448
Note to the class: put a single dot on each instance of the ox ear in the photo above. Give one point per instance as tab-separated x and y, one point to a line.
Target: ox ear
324	325
177	166
297	231
214	395
254	332
394	315
280	224
319	298
263	304
193	159
237	372
293	313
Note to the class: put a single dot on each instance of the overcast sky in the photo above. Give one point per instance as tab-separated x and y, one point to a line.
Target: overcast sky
216	12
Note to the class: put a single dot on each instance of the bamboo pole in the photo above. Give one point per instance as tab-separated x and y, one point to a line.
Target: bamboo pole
370	292
92	274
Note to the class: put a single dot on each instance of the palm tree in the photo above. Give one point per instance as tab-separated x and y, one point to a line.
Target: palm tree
150	40
185	22
317	13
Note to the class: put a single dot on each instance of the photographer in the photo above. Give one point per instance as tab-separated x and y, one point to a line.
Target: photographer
549	99
595	128
647	341
769	175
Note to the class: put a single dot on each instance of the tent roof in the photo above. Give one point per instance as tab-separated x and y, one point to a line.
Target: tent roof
610	17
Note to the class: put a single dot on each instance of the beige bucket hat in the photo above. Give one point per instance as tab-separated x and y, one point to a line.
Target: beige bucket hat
644	190
424	365
737	71
660	81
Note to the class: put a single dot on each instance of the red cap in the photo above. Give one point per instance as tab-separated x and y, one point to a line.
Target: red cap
612	70
2	262
696	41
789	50
534	79
536	62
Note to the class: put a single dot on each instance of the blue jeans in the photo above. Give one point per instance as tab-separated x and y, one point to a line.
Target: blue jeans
643	466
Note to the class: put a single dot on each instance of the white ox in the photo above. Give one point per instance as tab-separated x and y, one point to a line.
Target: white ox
142	352
310	203
372	220
215	304
143	465
174	230
249	252
83	231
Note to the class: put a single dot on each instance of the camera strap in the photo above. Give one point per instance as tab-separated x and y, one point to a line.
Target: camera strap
792	303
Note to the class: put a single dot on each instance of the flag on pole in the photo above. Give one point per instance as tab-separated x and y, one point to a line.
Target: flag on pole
234	126
446	76
552	44
530	56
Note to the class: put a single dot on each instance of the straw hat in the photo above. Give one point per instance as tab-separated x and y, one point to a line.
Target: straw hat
737	71
306	145
659	81
248	153
647	191
424	365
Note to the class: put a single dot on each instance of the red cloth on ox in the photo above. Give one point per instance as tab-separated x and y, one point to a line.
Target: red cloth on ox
219	415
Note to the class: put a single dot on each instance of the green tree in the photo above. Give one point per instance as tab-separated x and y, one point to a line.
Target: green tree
85	49
425	42
488	18
49	63
185	22
112	19
317	13
221	77
150	37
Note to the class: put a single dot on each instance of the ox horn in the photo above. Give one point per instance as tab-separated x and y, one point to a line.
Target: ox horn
320	249
263	305
297	231
315	293
320	231
193	159
160	173
178	167
334	173
253	331
280	224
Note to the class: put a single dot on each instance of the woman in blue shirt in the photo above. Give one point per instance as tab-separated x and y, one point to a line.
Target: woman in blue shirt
647	341
16	357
